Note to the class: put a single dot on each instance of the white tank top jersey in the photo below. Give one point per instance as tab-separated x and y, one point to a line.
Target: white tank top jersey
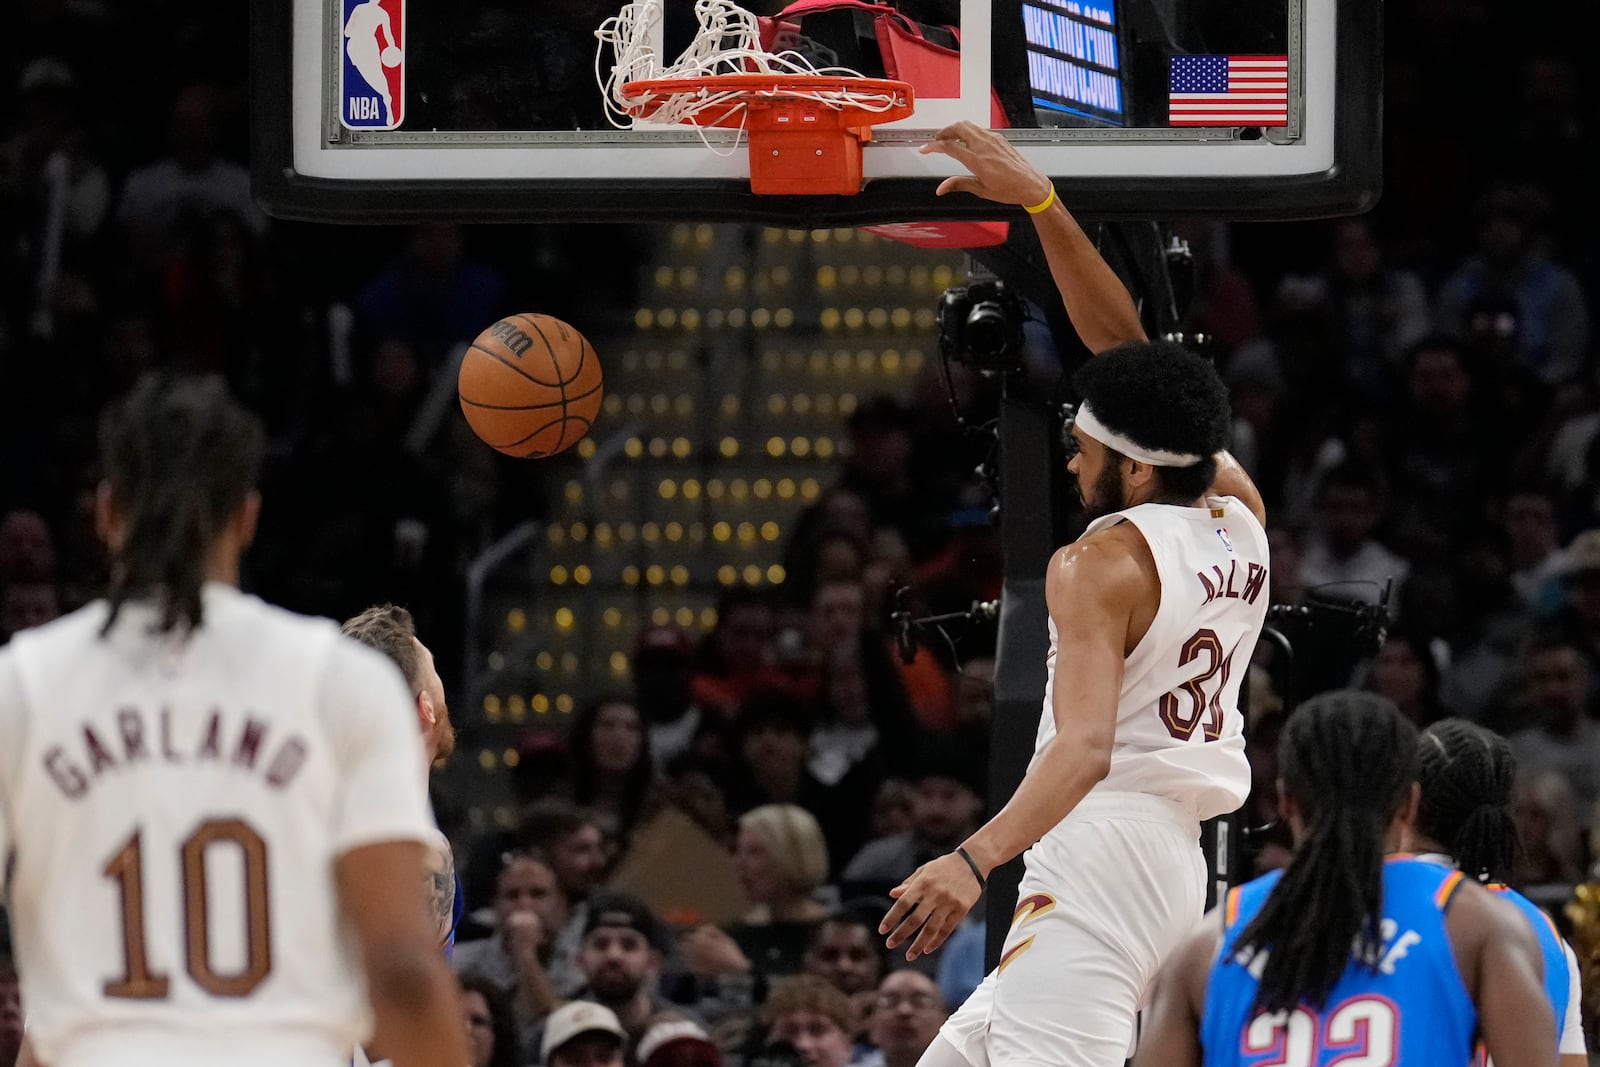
174	809
1179	731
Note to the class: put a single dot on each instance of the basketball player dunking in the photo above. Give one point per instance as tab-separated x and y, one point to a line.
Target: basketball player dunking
205	797
1153	615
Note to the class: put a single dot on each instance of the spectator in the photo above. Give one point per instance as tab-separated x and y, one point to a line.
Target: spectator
782	861
846	951
862	711
612	769
1344	561
814	1017
673	1041
1578	618
571	839
582	1034
1560	733
26	548
621	961
1443	455
946	800
891	809
1406	671
26	603
432	295
491	1028
974	706
1529	519
1377	310
737	655
1285	580
771	739
1547	827
906	1017
192	177
663	678
518	959
1513	259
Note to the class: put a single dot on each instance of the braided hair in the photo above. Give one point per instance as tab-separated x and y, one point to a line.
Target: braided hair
1466	773
1348	759
180	456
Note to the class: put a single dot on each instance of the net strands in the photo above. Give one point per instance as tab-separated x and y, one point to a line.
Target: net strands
727	43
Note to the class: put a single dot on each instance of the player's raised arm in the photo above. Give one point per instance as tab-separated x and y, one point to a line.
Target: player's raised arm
1096	301
1503	968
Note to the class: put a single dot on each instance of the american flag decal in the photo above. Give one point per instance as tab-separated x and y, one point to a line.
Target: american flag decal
1228	91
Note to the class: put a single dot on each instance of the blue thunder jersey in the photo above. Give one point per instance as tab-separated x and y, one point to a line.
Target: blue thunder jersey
1557	980
1413	1009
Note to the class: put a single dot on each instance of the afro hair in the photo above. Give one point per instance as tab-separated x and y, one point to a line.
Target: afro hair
1161	396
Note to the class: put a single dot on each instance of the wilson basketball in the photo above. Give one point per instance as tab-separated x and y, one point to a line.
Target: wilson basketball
530	386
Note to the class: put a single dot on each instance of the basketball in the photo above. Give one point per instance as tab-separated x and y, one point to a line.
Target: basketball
391	56
530	386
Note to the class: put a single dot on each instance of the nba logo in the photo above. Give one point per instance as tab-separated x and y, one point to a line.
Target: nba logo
1226	541
372	72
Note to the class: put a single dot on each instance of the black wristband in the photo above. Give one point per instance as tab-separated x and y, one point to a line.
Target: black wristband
983	883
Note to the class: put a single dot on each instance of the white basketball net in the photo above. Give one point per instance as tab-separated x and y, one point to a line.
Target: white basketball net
727	42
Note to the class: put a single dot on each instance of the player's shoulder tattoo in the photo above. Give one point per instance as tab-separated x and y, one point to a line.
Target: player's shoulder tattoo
441	887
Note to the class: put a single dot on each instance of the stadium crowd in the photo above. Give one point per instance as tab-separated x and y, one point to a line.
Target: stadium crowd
1415	393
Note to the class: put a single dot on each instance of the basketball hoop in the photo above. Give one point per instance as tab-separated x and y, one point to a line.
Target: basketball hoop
805	130
806	125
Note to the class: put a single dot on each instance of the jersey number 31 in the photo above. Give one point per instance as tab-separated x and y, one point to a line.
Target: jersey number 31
1180	720
138	981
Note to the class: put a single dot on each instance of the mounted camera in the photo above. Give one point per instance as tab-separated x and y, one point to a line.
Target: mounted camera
980	325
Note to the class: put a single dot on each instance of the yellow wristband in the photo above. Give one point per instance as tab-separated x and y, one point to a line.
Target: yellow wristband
1044	205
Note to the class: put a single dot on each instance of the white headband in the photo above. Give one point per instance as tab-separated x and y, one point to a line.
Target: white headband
1096	429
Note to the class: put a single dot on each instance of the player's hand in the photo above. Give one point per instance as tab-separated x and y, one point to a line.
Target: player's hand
930	905
999	172
710	953
523	935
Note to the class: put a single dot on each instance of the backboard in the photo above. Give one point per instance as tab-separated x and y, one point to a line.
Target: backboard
394	110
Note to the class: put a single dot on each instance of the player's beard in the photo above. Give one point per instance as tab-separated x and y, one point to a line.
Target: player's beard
444	736
1105	496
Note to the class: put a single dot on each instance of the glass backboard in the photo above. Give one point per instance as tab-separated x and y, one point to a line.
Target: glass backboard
389	110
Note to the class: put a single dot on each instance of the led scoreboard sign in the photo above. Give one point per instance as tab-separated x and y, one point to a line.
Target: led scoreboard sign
1075	62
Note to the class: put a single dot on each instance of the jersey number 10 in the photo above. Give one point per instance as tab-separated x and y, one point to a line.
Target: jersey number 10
126	869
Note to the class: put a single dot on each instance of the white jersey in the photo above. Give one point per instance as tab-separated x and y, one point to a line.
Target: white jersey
175	809
1179	731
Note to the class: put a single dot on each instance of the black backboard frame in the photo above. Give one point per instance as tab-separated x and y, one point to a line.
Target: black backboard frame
1350	186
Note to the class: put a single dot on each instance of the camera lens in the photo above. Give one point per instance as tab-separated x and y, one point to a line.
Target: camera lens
988	332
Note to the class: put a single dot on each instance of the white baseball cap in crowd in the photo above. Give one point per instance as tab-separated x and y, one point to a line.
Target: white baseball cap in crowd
575	1019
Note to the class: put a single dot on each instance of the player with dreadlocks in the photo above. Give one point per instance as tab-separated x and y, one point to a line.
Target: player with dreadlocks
1352	951
1465	821
209	801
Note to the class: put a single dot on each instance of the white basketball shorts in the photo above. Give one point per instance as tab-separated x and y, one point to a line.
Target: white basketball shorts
1106	897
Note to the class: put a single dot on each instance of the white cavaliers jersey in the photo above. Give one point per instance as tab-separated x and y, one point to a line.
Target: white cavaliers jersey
175	808
1179	731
